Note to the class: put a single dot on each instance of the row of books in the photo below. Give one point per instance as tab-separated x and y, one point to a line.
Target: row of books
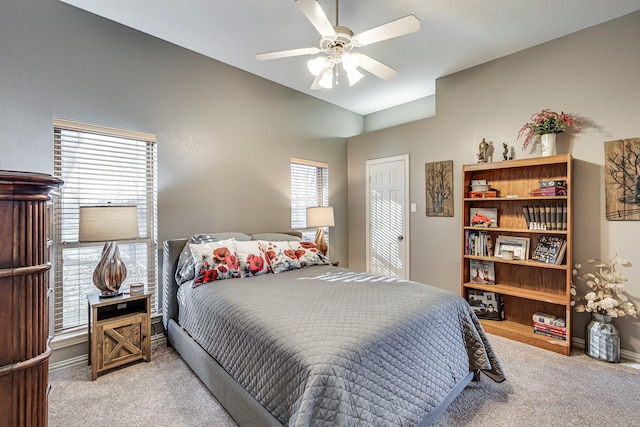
545	217
478	243
549	325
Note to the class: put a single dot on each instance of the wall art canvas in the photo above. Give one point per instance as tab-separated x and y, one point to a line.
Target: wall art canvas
439	188
622	179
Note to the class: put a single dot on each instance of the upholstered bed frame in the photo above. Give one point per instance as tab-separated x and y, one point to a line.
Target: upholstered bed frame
243	407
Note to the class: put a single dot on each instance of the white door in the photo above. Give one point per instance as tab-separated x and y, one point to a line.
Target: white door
388	217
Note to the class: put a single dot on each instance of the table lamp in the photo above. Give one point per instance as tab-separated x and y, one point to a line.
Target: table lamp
321	216
108	224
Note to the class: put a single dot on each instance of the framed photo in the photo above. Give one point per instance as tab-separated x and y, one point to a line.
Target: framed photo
482	271
439	188
519	246
483	217
486	305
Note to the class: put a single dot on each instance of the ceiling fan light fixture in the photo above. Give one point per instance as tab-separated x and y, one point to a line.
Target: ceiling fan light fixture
326	81
349	61
354	76
316	65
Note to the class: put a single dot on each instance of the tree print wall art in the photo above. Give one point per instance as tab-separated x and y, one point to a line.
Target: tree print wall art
622	179
439	188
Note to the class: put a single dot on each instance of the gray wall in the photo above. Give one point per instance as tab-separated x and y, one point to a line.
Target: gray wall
594	73
225	136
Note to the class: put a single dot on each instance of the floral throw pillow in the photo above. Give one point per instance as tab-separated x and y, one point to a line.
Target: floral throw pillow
251	258
280	256
214	261
308	254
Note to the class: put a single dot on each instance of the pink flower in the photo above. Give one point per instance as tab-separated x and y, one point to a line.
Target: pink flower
546	121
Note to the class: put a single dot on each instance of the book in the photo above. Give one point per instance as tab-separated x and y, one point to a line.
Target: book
525	212
550	249
549	334
485	304
483	217
482	271
483	194
549	191
548	328
564	217
558	217
549	319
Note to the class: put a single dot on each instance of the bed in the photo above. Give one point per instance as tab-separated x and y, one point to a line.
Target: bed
321	344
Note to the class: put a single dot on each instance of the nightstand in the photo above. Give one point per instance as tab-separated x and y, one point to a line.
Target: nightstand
119	331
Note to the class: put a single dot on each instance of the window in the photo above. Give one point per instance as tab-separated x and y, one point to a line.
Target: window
100	166
309	188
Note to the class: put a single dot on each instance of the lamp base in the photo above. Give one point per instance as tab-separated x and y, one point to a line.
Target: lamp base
115	294
320	241
110	271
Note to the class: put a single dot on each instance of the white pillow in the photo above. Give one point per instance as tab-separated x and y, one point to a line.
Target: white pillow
251	258
280	256
214	261
308	253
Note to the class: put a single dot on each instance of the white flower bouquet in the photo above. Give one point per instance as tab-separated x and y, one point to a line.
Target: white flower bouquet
605	289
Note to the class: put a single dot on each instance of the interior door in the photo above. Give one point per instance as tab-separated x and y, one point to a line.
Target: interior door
388	217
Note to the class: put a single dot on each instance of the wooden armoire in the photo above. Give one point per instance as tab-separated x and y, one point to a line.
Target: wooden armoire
24	294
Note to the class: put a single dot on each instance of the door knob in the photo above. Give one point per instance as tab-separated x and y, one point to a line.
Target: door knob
401	237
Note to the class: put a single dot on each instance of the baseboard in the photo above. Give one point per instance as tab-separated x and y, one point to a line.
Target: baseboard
625	355
83	360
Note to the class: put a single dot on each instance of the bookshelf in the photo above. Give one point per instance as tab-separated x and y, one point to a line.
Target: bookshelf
527	286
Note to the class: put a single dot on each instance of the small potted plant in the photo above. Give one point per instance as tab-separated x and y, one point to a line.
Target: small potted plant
543	123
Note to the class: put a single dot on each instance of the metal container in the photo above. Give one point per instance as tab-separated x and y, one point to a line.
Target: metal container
602	339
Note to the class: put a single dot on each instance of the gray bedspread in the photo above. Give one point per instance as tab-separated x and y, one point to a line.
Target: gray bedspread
329	346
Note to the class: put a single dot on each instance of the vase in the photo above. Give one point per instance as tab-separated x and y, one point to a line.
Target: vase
548	144
602	339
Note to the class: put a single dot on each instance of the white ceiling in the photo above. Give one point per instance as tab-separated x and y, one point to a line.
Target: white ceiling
454	35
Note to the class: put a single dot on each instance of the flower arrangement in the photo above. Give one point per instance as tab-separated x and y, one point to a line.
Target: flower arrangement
546	121
605	289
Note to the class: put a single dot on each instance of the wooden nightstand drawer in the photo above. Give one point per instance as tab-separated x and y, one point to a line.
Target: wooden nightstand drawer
119	331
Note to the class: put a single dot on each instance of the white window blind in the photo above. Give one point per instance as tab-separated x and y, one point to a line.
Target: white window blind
309	188
99	166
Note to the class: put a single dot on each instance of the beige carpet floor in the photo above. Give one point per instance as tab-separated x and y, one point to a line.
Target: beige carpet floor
542	389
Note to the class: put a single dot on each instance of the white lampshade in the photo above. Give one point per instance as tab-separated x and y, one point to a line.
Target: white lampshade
108	223
327	79
321	216
349	61
354	76
316	65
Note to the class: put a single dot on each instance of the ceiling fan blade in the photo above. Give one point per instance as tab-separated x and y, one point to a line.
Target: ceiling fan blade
397	28
317	17
287	53
376	68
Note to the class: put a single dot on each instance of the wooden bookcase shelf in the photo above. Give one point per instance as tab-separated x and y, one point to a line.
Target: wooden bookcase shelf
527	286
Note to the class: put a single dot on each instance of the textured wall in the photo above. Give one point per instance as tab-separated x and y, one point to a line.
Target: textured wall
591	73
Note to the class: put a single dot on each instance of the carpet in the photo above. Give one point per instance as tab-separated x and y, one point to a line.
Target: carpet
542	389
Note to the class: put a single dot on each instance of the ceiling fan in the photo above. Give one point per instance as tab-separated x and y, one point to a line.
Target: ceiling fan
337	46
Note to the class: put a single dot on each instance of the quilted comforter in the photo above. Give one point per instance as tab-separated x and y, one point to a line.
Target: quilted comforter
335	347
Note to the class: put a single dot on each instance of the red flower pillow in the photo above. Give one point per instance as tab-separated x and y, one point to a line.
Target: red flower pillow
251	258
214	261
308	253
280	256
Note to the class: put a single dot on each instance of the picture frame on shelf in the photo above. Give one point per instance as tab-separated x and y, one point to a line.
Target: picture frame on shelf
485	304
519	246
482	271
483	217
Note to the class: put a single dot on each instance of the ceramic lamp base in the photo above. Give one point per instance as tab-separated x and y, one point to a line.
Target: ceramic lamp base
110	271
320	241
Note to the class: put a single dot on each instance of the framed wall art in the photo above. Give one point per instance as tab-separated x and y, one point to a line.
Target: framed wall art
439	188
622	179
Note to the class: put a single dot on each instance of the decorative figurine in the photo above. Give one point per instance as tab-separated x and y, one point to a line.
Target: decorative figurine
505	151
482	153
